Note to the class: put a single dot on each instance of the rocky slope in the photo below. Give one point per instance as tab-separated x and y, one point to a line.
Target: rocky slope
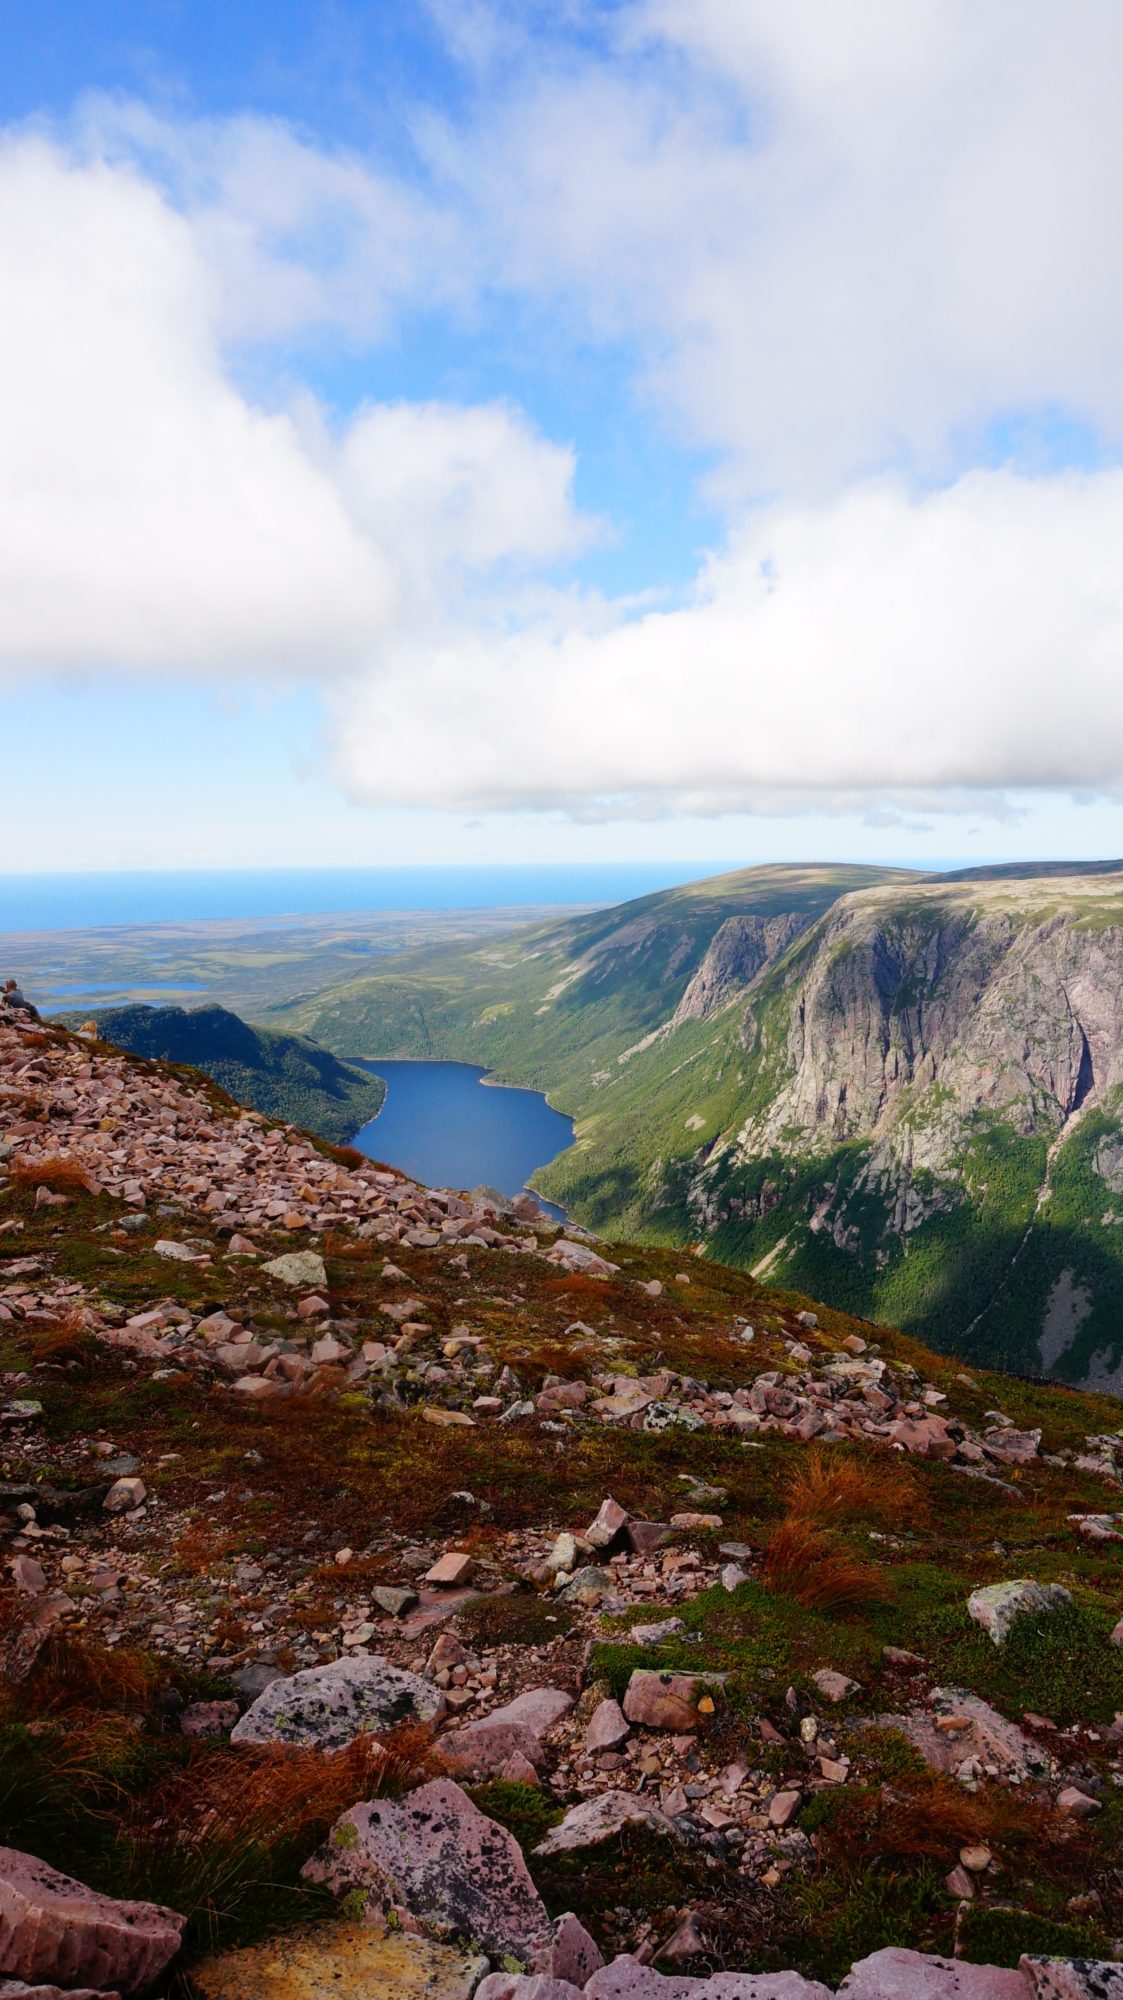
596	1626
905	1095
286	1076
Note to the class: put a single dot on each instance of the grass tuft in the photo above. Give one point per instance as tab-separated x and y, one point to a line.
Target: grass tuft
819	1571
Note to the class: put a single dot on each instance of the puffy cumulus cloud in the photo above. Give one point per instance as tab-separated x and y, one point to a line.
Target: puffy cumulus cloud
881	647
840	237
297	238
153	519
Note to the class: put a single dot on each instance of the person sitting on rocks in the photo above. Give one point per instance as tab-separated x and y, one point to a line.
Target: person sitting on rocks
16	1002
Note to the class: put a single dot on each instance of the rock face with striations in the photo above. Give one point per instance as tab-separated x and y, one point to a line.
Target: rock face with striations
741	950
954	1053
53	1930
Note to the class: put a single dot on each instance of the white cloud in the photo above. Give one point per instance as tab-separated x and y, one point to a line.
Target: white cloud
828	242
153	519
880	647
840	237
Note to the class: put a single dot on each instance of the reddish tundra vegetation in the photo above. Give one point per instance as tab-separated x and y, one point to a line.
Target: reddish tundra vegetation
402	1595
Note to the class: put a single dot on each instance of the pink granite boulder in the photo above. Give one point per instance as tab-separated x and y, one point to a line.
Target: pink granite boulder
604	1817
482	1749
664	1700
896	1974
526	1986
608	1726
485	1748
627	1979
437	1856
574	1954
53	1928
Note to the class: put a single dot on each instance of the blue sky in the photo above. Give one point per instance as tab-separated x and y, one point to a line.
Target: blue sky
671	428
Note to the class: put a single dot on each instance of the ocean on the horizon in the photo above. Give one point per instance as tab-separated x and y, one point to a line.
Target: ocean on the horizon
62	902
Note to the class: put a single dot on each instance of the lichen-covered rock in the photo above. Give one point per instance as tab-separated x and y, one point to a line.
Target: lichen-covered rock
299	1268
997	1605
1073	1978
435	1854
330	1960
53	1928
325	1708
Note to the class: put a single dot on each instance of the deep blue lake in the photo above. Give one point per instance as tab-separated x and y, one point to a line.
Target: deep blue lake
440	1123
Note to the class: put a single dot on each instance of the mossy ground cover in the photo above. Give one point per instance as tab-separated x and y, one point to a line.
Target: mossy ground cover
339	1469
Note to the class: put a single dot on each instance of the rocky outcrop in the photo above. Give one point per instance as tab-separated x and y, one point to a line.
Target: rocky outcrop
921	1051
742	949
996	1011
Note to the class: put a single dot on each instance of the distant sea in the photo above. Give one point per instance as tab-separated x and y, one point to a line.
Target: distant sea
80	902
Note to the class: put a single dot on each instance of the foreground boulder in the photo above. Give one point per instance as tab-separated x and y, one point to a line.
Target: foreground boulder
325	1708
437	1856
54	1929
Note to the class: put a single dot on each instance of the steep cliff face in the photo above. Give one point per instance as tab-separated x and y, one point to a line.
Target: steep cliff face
933	1091
1021	1019
742	949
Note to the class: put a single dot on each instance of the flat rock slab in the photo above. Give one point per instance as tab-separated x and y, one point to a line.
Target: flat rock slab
627	1979
983	1734
325	1708
54	1929
602	1818
435	1854
895	1974
336	1959
527	1986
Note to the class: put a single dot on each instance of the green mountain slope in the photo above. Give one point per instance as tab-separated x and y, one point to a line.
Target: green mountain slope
901	1093
284	1075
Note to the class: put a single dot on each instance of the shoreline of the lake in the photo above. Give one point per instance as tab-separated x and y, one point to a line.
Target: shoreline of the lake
438	1136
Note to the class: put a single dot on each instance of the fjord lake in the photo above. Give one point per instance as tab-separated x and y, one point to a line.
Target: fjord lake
443	1123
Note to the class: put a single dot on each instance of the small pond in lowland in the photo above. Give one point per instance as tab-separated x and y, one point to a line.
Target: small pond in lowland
442	1124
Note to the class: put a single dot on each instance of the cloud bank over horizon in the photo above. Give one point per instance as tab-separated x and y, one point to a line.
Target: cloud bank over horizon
862	270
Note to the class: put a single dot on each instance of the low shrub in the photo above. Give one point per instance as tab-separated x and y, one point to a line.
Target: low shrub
56	1172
